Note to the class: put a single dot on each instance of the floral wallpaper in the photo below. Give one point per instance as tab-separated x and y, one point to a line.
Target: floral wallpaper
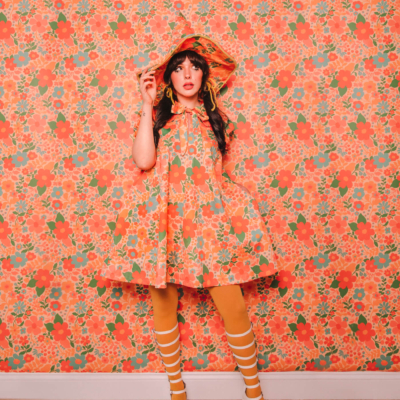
315	102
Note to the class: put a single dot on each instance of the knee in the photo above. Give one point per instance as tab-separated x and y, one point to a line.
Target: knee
234	311
165	301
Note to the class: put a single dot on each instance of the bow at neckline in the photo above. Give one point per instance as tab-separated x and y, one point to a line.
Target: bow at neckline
200	111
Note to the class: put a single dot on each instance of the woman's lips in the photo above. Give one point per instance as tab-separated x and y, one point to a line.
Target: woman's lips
188	87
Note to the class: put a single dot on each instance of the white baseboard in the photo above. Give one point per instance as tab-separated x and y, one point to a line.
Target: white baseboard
200	385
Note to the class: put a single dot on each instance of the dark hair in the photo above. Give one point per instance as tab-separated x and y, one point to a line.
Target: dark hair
163	108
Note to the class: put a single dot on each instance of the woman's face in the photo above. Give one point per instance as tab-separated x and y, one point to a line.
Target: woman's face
186	79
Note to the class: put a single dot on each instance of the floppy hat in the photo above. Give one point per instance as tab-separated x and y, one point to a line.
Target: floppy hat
221	64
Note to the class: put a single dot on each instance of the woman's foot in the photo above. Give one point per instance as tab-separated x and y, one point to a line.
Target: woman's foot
253	393
178	386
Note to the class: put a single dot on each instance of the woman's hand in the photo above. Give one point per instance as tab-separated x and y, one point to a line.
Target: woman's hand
148	86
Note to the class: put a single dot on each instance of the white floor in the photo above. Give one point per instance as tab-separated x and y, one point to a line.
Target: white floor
363	385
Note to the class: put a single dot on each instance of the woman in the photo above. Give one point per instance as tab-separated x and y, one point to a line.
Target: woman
207	228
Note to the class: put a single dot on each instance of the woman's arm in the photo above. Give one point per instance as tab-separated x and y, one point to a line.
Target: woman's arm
143	150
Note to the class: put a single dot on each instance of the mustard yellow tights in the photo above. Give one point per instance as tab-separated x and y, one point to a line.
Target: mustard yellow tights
231	306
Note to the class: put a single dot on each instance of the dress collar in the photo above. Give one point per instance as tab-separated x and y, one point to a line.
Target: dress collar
179	108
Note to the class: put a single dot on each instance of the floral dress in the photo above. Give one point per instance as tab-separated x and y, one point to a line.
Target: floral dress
189	223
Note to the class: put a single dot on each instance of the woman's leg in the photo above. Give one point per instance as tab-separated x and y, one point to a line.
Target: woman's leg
165	305
230	303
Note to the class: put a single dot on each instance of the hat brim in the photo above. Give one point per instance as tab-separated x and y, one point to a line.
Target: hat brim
221	64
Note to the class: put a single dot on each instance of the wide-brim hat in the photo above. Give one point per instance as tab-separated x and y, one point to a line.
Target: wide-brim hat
221	64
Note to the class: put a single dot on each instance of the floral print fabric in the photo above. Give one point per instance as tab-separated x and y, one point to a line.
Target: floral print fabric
189	223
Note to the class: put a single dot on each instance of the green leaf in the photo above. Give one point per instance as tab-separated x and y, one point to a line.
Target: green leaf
256	269
283	91
352	126
40	291
335	284
61	117
181	319
121	118
283	191
51	225
301	319
32	283
205	269
136	268
93	283
49	327
343	292
362	319
53	25
241	18
60	217
117	239
61	17
119	318
300	18
241	118
395	83
93	182
58	319
121	18
52	125
102	89
361	118
334	83
352	26
342	91
395	184
353	226
301	118
177	161
395	284
112	225
3	18
233	26
111	327
360	18
292	26
33	182
293	126
343	191
275	83
41	190
113	25
354	327
128	276
293	327
162	235
94	82
293	226
101	190
361	218
301	218
241	236
283	291
101	291
43	89
195	163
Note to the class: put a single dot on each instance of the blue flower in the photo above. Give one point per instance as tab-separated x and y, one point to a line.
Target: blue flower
56	293
238	93
79	259
118	192
323	107
20	159
381	60
359	193
298	294
140	360
81	59
358	93
203	7
298	93
263	7
116	293
21	59
58	92
321	260
151	204
216	206
82	106
201	361
81	307
144	7
80	159
322	362
57	192
78	362
256	235
382	260
322	7
261	160
382	7
263	107
141	59
298	193
320	60
82	206
383	362
261	60
16	361
322	160
383	107
132	240
359	294
118	92
381	160
83	6
18	259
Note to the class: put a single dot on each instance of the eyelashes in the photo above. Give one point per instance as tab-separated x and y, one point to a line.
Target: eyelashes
176	69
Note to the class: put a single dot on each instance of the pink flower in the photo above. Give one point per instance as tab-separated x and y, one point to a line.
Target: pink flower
277	125
98	24
97	124
277	25
337	25
35	224
158	24
96	224
37	123
337	124
218	25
